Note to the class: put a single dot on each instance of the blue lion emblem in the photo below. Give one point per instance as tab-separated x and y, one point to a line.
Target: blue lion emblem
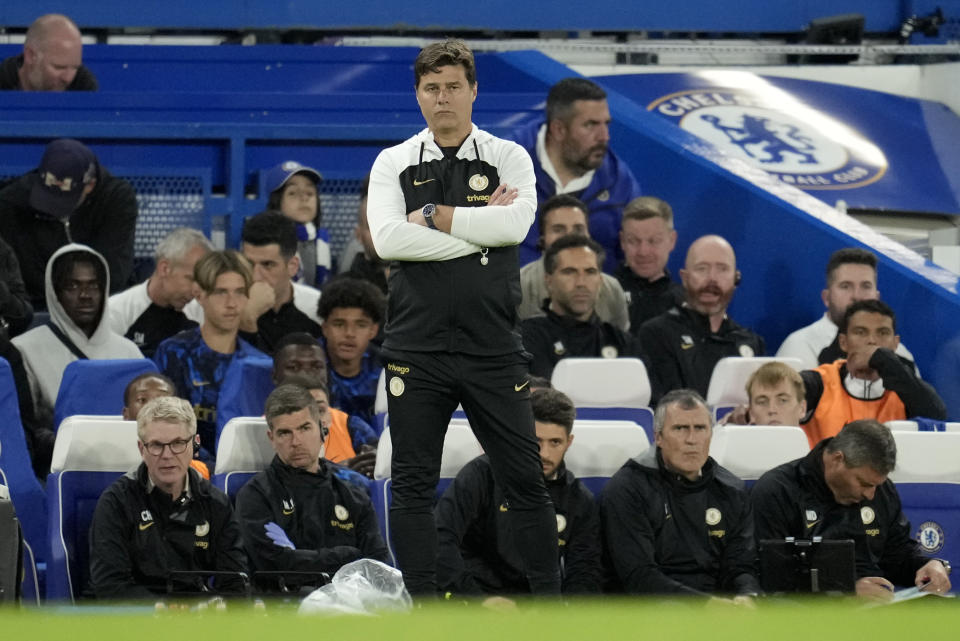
773	142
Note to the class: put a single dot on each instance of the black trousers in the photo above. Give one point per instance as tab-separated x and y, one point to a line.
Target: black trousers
423	390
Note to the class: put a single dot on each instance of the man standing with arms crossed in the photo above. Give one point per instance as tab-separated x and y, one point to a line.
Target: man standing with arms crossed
452	335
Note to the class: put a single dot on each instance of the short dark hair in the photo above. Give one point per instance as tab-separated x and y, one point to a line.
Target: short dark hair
129	389
449	52
850	256
570	241
558	201
866	442
288	399
344	291
271	228
63	267
308	382
296	338
365	187
553	406
563	94
685	399
872	306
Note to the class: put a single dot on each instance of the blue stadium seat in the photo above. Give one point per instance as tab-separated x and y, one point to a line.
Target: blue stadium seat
29	499
89	455
242	451
928	481
95	387
244	391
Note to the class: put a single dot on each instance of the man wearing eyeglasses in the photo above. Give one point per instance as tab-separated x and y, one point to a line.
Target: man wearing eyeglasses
301	514
77	280
163	517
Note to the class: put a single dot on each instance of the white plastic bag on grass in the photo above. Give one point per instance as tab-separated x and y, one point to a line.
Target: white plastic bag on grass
364	586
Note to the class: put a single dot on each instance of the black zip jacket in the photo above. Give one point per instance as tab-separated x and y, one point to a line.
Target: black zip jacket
330	521
105	221
552	337
478	554
648	299
682	351
137	538
665	534
793	499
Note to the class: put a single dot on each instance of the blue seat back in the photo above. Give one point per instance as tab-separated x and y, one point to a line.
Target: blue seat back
97	386
29	499
73	499
934	513
642	416
246	385
231	482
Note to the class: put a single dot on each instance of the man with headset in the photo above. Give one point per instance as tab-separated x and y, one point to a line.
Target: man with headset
300	514
684	344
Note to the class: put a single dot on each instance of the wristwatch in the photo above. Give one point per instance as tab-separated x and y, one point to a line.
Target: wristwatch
946	566
427	212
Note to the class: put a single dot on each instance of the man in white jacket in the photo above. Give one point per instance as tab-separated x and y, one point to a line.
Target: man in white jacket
76	283
448	207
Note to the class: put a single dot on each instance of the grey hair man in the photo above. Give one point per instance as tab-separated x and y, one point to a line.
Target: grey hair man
840	490
163	516
657	499
160	306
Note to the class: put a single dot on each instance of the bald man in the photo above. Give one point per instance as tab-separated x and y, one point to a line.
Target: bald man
685	343
51	60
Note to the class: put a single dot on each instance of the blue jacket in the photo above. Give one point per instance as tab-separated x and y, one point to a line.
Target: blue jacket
612	187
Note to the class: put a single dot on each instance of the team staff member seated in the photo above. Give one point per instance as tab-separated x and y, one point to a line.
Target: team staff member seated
299	514
872	382
570	326
477	555
840	490
685	344
163	516
673	520
449	206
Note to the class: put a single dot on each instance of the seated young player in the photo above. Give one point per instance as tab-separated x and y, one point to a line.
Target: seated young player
352	311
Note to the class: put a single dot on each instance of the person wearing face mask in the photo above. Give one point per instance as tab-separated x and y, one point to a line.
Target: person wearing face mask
300	514
684	344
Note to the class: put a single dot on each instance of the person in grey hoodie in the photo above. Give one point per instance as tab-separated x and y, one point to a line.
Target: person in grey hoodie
77	280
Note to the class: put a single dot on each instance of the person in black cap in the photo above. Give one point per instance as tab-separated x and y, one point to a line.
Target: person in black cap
294	192
70	197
